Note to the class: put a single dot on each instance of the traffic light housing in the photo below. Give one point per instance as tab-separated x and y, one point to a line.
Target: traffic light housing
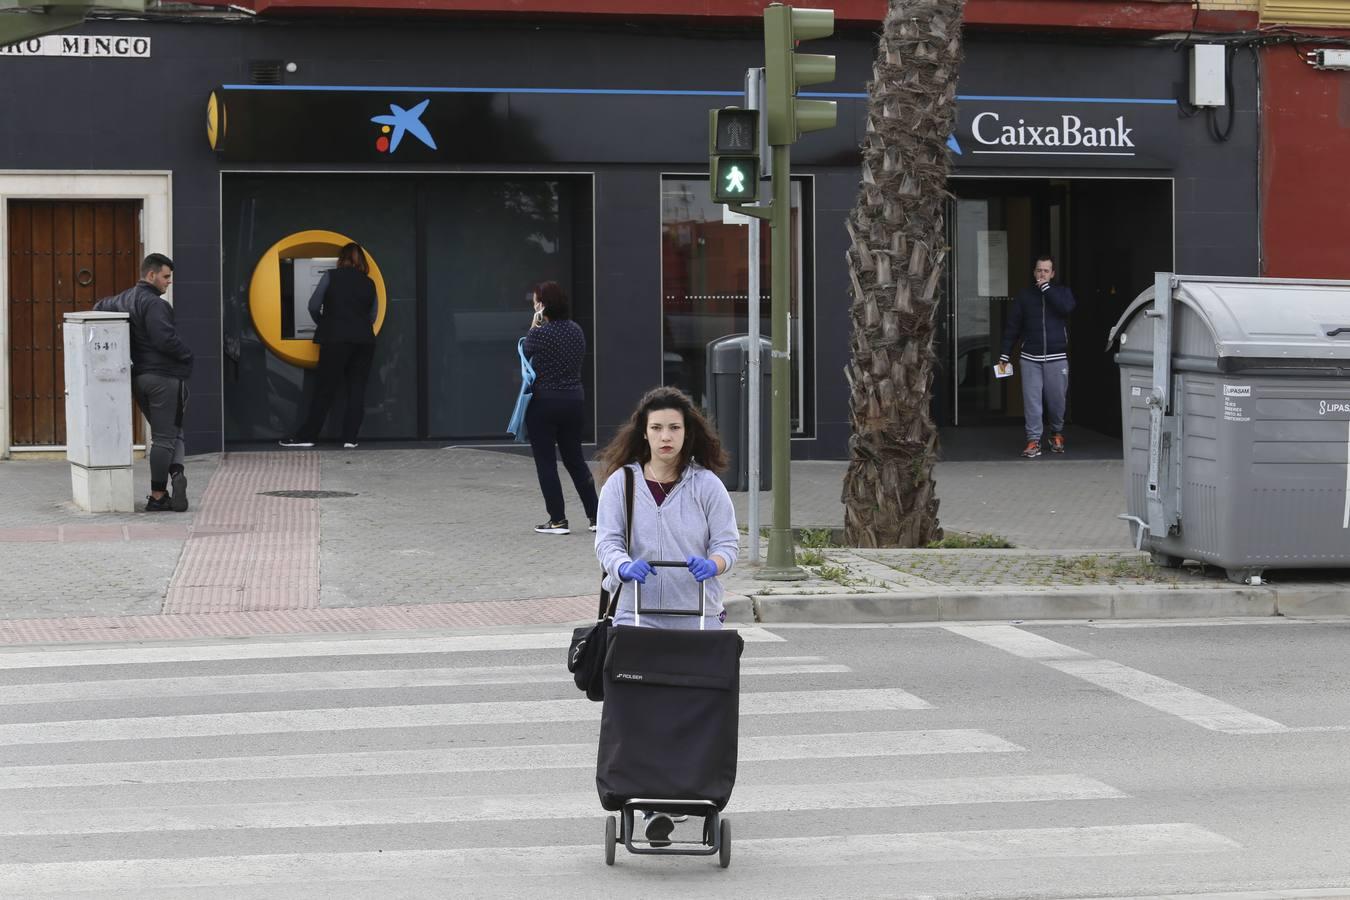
785	71
733	155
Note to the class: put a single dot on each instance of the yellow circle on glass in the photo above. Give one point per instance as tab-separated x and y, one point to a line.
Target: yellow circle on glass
264	291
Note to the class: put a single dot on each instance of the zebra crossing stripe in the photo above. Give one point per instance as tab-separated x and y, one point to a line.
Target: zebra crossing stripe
1150	690
766	748
426	810
458	643
452	866
421	716
350	680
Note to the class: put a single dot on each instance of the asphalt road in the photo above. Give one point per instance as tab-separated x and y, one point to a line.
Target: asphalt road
1046	760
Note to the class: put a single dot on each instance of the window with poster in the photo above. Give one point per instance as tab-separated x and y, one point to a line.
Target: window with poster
705	287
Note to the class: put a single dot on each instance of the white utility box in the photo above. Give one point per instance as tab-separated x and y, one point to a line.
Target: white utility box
98	410
1208	75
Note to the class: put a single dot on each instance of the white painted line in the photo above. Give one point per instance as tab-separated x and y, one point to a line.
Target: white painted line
1017	642
451	866
1294	894
499	808
366	679
1150	690
421	716
24	658
1169	697
766	748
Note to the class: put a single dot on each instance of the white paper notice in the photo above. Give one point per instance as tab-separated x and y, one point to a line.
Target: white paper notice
992	272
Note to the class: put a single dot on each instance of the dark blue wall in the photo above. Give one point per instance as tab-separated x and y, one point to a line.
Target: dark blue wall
150	114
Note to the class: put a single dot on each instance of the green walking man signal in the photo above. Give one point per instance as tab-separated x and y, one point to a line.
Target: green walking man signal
733	154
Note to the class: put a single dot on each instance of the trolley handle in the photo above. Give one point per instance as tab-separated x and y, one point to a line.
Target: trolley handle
669	564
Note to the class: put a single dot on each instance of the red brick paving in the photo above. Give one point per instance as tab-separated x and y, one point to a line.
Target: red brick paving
247	551
69	534
348	620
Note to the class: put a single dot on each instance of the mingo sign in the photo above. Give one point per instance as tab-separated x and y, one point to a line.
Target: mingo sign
1065	132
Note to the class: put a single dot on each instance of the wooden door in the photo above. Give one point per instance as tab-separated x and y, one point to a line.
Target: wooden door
63	256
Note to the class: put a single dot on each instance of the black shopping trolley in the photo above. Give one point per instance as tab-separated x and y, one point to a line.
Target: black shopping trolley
668	728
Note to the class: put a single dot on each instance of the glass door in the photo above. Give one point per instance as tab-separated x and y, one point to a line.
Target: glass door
999	227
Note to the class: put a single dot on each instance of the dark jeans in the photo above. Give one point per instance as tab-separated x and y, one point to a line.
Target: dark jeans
162	399
340	364
558	423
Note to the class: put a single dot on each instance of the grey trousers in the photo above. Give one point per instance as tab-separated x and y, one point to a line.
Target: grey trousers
162	399
1044	387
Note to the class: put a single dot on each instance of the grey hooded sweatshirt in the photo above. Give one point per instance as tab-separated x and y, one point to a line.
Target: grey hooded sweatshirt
696	519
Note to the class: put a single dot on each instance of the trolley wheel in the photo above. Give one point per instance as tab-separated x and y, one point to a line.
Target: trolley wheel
724	854
610	840
1164	560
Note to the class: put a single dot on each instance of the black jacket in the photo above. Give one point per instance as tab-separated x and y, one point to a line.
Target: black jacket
344	307
155	345
1040	317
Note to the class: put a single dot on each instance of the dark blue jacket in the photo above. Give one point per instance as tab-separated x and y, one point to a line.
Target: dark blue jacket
1041	319
155	345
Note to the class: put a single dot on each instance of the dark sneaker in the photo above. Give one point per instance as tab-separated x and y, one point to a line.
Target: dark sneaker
162	504
178	492
592	526
1056	443
658	830
1033	449
295	442
553	528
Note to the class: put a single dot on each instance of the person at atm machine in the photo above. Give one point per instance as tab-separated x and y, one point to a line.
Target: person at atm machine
344	307
1040	318
161	365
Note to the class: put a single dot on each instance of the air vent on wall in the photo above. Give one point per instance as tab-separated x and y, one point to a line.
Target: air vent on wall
264	71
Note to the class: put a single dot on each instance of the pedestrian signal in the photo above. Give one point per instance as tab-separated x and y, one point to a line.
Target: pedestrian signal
733	155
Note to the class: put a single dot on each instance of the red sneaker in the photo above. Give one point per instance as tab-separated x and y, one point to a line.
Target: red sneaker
1033	449
1056	443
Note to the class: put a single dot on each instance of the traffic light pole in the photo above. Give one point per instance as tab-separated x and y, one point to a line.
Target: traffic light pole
781	564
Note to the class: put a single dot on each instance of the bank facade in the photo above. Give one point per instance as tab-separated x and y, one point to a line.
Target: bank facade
474	158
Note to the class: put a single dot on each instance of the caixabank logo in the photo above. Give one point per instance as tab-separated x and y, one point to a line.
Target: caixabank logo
399	122
1058	131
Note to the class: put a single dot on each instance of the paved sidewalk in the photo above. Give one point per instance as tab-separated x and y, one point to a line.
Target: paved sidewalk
430	538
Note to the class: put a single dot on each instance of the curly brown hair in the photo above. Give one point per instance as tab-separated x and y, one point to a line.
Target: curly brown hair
701	442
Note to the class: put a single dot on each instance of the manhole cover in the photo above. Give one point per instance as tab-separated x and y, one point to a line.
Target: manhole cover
307	495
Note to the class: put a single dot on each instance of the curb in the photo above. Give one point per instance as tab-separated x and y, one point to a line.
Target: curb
1110	602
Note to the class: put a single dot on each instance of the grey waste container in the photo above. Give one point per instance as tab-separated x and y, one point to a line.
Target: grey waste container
728	380
1237	441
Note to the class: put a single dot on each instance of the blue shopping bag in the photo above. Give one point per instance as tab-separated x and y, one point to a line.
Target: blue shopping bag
517	424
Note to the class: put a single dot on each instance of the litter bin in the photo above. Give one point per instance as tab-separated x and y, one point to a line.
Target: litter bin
1235	406
728	380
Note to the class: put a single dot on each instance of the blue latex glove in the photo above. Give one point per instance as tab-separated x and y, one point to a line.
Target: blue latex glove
703	569
637	570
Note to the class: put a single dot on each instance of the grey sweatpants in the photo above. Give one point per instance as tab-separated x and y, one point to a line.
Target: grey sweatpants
1044	387
162	399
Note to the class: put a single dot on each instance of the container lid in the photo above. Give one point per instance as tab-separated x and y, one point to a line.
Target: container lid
1265	319
91	316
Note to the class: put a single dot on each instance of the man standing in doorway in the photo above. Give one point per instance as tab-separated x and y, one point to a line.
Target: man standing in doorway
161	365
1040	317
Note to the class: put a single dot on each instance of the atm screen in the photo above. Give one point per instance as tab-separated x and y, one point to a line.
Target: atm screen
299	278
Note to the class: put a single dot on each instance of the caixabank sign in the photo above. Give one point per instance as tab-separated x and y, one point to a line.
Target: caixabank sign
1064	132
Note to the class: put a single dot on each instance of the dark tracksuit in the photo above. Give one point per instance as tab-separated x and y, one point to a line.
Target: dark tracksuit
557	413
344	307
1040	317
161	365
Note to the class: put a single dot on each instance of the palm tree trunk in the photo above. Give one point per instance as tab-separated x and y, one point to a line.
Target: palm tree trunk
898	249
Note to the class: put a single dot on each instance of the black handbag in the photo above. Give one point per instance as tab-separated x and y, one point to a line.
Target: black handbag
586	653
